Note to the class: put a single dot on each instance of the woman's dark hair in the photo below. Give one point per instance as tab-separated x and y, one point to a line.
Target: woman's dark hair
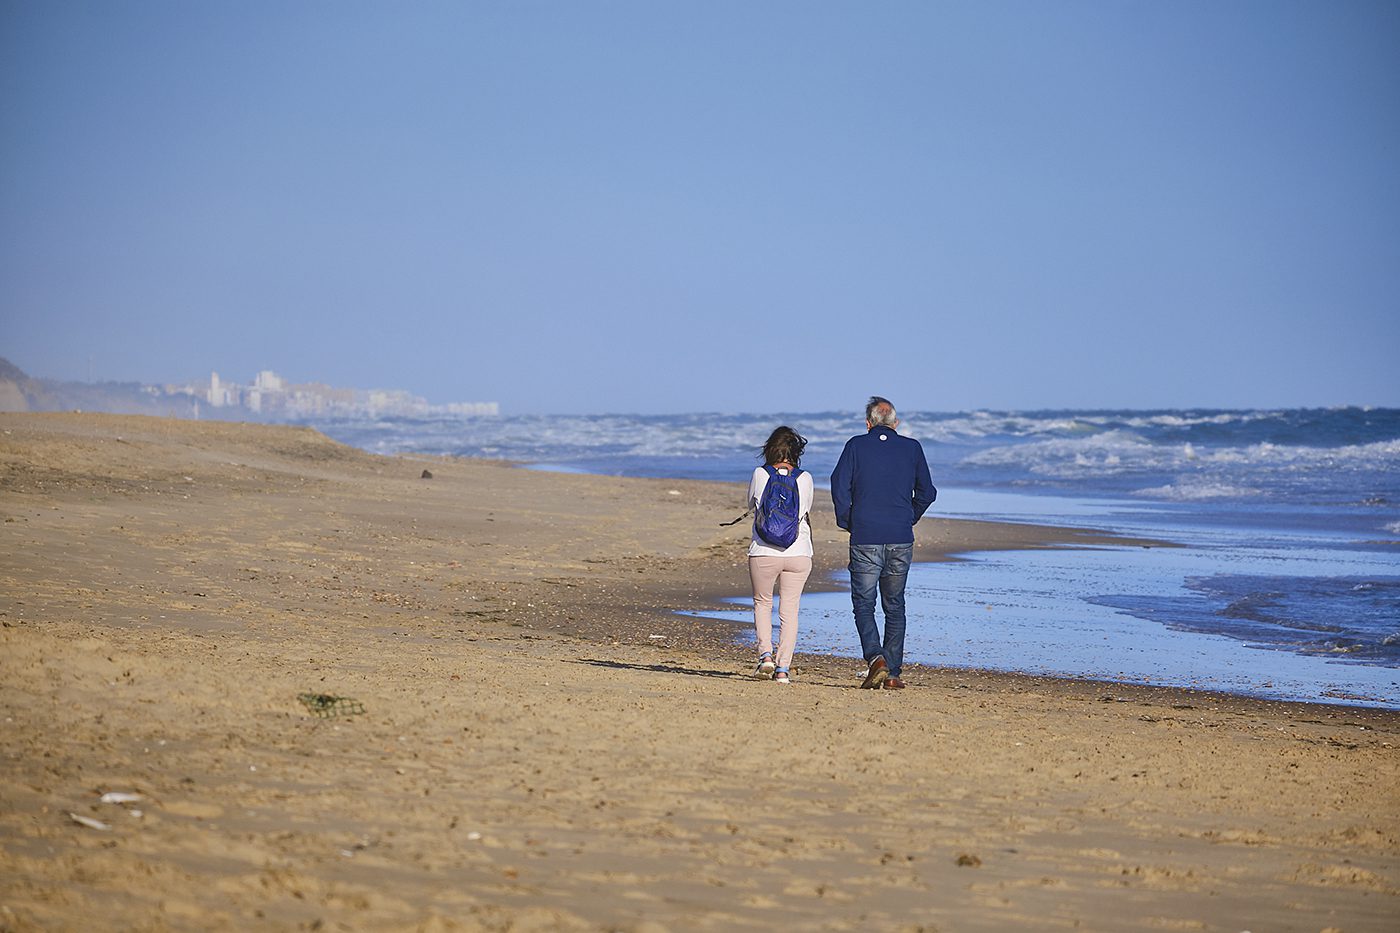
784	445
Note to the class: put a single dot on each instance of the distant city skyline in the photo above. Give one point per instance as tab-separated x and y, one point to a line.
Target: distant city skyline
649	208
313	397
269	393
268	396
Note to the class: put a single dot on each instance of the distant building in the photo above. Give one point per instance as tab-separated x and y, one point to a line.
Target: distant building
272	397
470	409
221	394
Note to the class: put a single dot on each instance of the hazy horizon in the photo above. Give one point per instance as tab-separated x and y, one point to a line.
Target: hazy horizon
855	409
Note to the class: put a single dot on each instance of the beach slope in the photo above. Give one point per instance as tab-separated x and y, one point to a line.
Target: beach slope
532	738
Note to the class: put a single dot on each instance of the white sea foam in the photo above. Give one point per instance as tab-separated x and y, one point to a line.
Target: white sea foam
1197	492
1037	435
1393	528
1180	456
1118	451
1173	420
1375	453
980	424
1098	455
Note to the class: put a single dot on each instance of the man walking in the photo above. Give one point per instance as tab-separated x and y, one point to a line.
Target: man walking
881	488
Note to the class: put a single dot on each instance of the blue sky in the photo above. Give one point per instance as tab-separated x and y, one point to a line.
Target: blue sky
728	206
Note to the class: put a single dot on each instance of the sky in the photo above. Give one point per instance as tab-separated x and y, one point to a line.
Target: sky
594	206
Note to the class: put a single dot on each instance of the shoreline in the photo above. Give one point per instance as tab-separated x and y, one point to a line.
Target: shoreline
942	539
707	584
530	756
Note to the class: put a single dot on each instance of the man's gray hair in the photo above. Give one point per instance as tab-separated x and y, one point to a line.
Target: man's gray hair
880	411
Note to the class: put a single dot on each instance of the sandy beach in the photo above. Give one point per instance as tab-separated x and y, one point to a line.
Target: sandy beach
542	742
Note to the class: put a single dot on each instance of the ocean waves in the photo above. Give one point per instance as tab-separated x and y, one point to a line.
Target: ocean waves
1197	491
1125	463
1319	456
1333	427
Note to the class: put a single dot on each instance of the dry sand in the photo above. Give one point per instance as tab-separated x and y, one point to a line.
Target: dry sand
545	745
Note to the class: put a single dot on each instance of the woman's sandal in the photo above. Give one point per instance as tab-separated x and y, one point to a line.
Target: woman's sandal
765	667
780	676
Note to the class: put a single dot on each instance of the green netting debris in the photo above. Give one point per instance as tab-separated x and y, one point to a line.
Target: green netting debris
327	706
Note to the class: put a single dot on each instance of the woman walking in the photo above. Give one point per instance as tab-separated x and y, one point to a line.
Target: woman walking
780	551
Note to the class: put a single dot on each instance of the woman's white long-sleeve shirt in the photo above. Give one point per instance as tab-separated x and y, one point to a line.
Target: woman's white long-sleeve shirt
802	547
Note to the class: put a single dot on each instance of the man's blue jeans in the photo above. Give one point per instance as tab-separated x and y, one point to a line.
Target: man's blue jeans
882	567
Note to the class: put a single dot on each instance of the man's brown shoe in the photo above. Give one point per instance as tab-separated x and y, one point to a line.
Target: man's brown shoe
874	677
892	683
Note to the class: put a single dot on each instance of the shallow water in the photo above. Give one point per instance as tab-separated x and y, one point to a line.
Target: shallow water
1050	612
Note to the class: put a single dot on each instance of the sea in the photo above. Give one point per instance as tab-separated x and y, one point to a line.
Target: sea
1283	581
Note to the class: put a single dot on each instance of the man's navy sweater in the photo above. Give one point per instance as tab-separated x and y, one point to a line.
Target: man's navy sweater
881	487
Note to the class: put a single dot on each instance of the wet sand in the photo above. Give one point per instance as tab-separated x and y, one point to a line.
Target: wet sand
546	745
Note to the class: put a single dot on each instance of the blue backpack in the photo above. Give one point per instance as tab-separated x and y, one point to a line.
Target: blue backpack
779	511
